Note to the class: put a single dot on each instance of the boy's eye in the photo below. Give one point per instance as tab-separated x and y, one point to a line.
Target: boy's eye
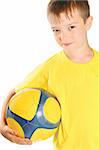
71	27
55	30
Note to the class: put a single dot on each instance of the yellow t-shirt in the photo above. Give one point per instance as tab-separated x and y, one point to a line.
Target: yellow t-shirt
76	86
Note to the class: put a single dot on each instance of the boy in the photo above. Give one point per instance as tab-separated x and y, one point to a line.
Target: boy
71	75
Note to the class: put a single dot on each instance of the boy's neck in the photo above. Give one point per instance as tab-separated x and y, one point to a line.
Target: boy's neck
80	56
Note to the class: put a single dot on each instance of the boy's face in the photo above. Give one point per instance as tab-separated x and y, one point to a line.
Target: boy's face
70	33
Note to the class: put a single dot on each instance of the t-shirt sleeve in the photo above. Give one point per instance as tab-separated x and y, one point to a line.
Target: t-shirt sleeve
38	78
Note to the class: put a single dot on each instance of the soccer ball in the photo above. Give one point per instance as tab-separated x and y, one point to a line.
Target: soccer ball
34	114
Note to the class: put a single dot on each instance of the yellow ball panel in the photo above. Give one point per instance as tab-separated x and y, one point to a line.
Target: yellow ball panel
15	126
52	110
42	134
24	100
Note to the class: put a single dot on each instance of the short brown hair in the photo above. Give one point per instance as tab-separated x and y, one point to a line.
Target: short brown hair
58	6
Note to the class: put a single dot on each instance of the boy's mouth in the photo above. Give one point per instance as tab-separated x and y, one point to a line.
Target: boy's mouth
67	44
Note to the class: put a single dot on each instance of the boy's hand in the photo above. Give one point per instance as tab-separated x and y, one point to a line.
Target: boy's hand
11	135
5	130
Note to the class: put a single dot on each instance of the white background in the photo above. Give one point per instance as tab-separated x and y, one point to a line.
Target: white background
25	41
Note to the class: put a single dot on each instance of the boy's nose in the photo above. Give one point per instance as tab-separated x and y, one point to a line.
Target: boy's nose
64	35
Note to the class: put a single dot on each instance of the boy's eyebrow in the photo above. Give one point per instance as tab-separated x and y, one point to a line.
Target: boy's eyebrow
72	23
53	27
66	25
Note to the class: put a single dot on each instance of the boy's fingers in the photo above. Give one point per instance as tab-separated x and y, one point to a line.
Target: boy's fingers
12	136
9	130
18	140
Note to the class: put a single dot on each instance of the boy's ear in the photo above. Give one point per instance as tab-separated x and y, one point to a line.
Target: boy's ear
88	22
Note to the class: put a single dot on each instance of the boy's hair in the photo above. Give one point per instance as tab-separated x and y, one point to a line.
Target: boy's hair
56	7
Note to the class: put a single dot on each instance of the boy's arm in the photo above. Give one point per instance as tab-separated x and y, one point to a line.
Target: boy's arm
8	133
38	78
3	113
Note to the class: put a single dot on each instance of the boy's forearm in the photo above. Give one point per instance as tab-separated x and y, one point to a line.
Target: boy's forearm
11	93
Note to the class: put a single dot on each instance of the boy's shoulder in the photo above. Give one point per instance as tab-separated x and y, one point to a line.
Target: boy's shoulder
55	57
96	54
58	58
96	51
